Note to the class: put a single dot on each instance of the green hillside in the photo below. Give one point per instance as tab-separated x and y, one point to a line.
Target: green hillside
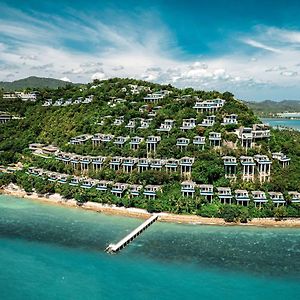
115	98
33	82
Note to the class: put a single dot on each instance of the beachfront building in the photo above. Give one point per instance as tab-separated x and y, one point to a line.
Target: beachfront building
166	126
188	188
248	168
152	142
103	185
118	189
283	159
88	183
209	106
143	164
260	131
75	162
145	123
115	163
277	198
242	197
97	163
199	141
259	198
188	124
64	157
171	165
207	191
80	139
135	190
215	139
230	166
230	120
224	195
52	176
118	121
150	191
182	143
186	164
75	180
135	142
208	121
263	167
62	178
120	140
153	111
129	163
295	197
35	171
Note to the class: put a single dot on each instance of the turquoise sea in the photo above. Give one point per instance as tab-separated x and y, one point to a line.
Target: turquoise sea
52	252
279	122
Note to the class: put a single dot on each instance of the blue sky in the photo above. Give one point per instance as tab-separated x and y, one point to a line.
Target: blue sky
251	48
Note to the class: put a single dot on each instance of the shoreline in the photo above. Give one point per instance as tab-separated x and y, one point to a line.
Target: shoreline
56	199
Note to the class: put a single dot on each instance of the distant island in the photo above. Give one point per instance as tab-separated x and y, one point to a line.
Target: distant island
137	144
33	82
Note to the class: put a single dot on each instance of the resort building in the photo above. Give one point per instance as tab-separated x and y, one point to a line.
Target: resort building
5	117
59	102
166	126
152	142
150	191
277	198
208	121
144	108
248	168
85	162
132	124
186	164
295	197
88	99
128	164
143	164
246	137
157	164
188	124
242	197
80	139
75	180
260	131
48	102
135	142
115	163
215	139
154	110
97	163
145	123
75	162
120	140
119	121
209	106
259	198
230	120
171	165
156	96
224	195
199	141
230	166
283	159
188	188
103	185
263	167
9	95
135	190
118	189
88	183
207	191
99	138
182	143
62	178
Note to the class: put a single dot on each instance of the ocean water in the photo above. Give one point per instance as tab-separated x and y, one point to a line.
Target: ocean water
52	252
276	122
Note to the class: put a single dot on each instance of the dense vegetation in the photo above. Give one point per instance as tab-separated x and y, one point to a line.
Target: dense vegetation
57	125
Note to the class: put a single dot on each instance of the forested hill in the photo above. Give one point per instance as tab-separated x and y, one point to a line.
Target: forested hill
33	82
269	107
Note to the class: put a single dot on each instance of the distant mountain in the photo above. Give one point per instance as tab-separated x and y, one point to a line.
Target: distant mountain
268	107
33	82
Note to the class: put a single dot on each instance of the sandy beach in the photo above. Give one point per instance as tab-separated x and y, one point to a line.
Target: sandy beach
57	199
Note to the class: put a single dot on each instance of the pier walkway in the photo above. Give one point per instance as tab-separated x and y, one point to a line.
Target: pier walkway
113	248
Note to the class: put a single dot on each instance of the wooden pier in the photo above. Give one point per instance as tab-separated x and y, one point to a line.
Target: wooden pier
113	248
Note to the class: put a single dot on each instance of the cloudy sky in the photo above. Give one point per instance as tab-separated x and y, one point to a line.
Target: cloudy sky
249	47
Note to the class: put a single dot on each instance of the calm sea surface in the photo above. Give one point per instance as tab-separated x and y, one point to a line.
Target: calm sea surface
295	124
52	252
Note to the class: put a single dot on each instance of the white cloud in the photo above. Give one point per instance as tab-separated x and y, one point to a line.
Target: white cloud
99	75
260	45
289	73
65	79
